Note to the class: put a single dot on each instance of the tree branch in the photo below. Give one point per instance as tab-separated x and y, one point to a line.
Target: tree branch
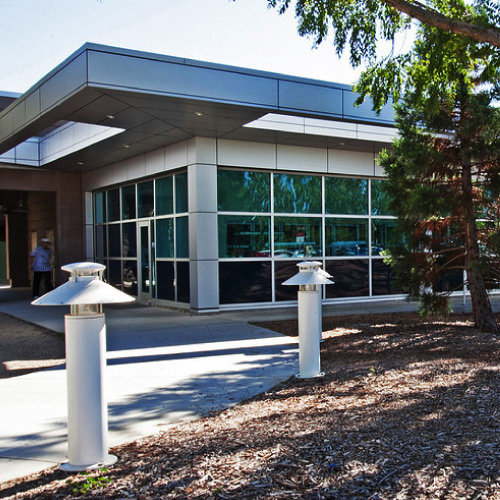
438	20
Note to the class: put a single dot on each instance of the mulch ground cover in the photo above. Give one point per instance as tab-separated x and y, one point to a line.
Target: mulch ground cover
406	410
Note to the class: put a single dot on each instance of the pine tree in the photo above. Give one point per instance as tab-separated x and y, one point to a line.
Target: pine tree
444	180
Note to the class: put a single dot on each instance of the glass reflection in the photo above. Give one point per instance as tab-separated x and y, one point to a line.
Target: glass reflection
165	238
244	236
114	240
346	237
129	239
383	235
113	205
350	276
164	196
130	277
128	202
346	196
297	237
99	208
299	194
283	271
242	191
383	279
241	282
380	199
181	193
181	237
145	202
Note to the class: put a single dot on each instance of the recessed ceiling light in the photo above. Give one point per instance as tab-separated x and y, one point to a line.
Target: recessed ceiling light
111	117
79	162
199	113
126	146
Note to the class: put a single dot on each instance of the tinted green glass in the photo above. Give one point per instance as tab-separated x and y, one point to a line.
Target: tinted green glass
346	196
380	199
299	194
164	190
114	240
181	237
99	208
346	236
242	191
165	238
128	202
181	193
113	205
383	235
297	237
129	240
244	236
145	203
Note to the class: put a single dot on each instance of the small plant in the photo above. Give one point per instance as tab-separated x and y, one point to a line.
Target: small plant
91	480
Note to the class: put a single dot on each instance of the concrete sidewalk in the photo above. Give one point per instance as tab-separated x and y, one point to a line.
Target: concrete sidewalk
164	367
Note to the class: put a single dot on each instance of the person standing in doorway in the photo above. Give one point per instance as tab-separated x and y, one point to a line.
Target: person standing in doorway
41	266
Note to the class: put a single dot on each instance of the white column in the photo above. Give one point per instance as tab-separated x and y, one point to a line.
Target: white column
203	243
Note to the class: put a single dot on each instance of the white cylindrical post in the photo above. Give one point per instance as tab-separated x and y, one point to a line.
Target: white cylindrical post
87	408
309	325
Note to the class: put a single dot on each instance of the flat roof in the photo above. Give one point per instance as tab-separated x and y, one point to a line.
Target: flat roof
158	100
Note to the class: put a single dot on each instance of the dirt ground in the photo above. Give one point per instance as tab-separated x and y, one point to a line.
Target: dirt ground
25	347
406	411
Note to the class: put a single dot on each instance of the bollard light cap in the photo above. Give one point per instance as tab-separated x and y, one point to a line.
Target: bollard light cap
309	273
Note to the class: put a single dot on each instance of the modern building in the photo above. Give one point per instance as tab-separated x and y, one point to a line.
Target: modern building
198	185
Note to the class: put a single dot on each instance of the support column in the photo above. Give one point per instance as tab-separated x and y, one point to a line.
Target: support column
203	246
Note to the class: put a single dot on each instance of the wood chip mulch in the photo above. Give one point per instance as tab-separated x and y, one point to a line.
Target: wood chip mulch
406	411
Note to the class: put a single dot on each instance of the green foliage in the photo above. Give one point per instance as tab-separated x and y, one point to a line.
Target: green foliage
91	480
431	66
434	305
443	180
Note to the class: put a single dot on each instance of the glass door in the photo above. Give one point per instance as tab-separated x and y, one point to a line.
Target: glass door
145	258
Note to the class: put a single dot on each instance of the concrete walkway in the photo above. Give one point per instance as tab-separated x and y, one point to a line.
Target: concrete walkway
164	367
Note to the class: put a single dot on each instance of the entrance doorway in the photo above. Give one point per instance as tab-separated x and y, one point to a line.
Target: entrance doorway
147	271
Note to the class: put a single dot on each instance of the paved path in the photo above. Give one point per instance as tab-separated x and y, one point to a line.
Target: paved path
164	367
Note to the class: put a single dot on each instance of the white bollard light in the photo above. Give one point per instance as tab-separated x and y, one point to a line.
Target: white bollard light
85	330
309	278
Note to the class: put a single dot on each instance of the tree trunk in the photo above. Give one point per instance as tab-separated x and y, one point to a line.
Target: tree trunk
481	305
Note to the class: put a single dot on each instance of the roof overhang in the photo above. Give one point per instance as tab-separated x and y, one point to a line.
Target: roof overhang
142	101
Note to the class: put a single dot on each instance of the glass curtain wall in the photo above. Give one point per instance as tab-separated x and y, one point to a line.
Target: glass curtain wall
163	205
267	222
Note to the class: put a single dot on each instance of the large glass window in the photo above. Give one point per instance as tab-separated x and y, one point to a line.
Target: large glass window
165	238
164	196
346	237
114	240
145	201
346	196
129	239
241	191
165	275
244	236
113	205
128	202
383	279
298	194
383	235
181	193
350	276
283	271
297	237
241	282
380	199
99	208
100	242
181	237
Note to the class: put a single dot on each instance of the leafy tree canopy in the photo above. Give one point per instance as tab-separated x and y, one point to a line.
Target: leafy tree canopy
467	42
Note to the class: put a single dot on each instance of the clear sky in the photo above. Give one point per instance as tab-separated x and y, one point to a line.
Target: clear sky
37	35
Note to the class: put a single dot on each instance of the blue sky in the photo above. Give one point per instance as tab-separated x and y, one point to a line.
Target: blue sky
37	35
